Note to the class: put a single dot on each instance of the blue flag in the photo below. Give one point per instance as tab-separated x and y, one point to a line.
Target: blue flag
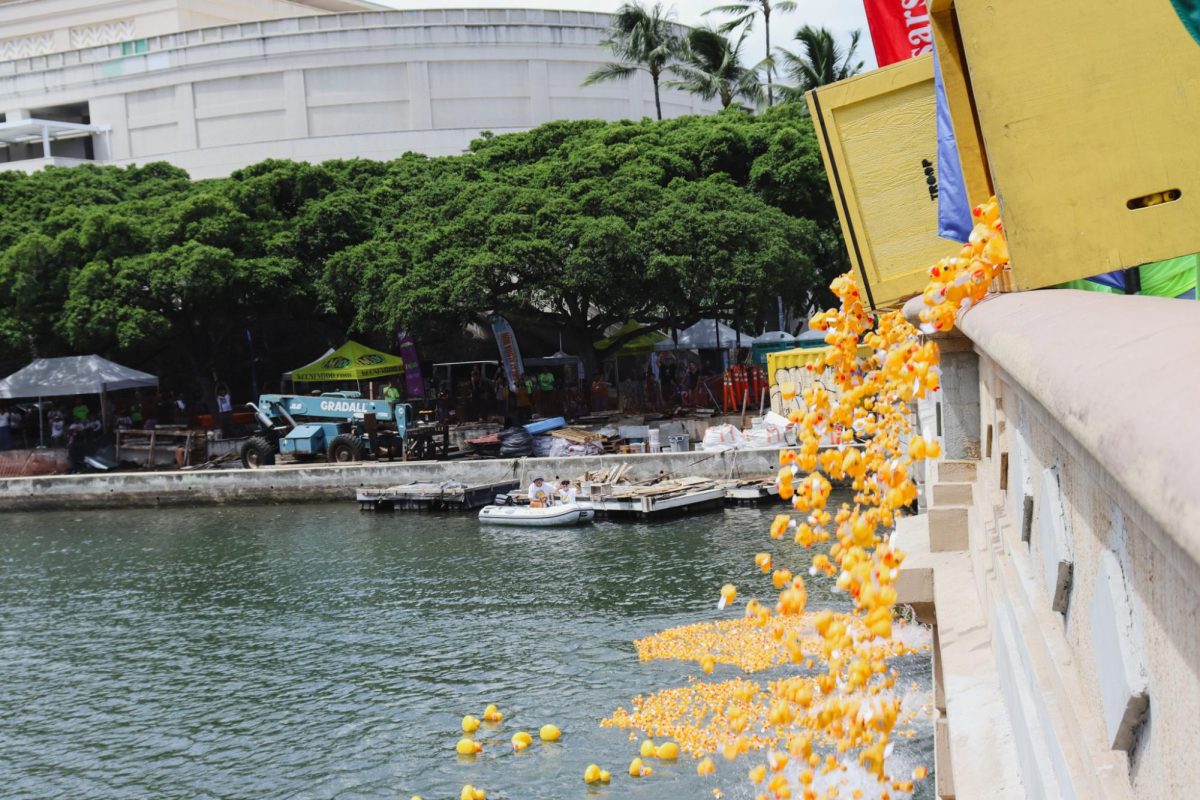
510	353
954	207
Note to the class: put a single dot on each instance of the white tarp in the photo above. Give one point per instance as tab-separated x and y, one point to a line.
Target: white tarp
775	337
703	336
73	375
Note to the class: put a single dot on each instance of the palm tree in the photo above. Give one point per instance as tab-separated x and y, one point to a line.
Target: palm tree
820	62
744	12
644	39
712	67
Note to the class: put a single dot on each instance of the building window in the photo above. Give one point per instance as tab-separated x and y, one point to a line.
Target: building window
136	47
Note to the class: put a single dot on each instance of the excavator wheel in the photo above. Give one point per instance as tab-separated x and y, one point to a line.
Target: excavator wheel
257	451
345	448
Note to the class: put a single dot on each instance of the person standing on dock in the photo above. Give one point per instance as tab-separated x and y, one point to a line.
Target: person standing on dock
224	410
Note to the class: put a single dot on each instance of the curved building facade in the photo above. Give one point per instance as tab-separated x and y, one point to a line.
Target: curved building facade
330	85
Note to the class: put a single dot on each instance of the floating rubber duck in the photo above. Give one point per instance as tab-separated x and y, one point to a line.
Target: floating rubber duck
592	774
550	733
521	740
470	724
667	751
492	714
639	770
647	748
728	595
469	792
706	767
467	747
707	663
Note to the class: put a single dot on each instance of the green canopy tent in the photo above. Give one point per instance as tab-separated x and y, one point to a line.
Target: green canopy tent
642	345
350	362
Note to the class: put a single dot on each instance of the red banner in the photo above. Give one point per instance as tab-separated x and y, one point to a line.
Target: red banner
900	29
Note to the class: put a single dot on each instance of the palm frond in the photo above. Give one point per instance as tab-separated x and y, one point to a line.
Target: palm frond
610	72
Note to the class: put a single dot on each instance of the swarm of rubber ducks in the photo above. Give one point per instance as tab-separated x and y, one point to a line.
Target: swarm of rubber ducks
845	707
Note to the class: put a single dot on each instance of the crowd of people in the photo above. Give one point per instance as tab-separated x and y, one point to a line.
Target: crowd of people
67	422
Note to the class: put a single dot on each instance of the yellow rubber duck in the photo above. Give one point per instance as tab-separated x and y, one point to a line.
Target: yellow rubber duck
467	747
492	714
667	751
470	724
647	748
469	792
639	770
550	733
521	740
605	776
706	767
728	595
592	774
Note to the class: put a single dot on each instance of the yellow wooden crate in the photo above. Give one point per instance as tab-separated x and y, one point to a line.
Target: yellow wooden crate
790	366
878	135
1085	114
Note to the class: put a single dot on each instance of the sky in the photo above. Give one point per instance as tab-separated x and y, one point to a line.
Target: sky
839	16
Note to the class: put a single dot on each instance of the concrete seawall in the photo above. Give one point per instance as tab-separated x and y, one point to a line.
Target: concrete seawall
293	484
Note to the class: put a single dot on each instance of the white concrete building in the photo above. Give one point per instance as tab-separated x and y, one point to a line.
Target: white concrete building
134	82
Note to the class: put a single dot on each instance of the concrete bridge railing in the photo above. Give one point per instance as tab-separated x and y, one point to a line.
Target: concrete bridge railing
1060	556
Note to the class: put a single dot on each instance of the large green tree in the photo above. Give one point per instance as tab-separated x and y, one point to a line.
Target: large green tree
644	39
572	227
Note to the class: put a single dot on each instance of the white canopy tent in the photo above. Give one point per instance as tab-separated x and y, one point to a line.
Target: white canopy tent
73	376
707	334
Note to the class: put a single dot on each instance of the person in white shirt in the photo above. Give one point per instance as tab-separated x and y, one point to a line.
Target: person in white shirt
539	492
5	430
224	410
566	492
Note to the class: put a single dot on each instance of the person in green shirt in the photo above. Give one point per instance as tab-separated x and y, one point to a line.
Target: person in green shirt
391	393
80	412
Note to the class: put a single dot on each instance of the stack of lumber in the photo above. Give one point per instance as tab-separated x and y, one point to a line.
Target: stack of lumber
662	489
610	476
576	435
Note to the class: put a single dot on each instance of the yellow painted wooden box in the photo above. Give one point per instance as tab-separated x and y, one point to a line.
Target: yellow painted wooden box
1087	115
790	366
878	135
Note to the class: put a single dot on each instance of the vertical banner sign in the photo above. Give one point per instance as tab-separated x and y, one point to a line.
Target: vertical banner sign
414	384
900	29
510	354
954	207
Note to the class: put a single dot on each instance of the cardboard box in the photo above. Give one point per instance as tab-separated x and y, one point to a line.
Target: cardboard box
878	135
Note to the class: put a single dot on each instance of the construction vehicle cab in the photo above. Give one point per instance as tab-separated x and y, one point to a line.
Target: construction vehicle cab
340	427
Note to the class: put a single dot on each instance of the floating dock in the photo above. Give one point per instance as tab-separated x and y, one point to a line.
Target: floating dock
446	496
665	498
749	492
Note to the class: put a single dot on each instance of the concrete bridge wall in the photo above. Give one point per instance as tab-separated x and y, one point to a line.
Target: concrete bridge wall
1060	558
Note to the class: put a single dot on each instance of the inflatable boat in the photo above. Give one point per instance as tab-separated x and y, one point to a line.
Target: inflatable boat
528	517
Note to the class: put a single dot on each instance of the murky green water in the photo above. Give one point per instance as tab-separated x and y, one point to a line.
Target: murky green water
317	652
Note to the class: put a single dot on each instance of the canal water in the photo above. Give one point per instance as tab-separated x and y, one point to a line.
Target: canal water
318	652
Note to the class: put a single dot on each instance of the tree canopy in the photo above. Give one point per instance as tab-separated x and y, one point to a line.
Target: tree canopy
571	227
